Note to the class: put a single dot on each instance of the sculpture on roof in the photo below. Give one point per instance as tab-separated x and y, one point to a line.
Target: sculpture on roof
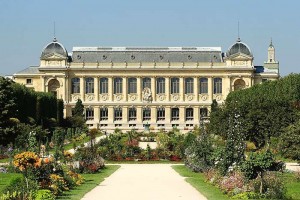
147	95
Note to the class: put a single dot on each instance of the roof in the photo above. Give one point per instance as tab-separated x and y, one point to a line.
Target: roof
239	47
146	54
54	47
29	70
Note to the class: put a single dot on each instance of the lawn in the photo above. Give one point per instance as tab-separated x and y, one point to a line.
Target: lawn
6	178
91	181
197	180
292	186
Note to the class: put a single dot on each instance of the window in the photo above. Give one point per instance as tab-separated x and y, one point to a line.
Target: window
189	114
103	85
160	114
103	114
132	114
29	81
160	86
89	114
118	114
217	85
146	83
264	80
189	85
174	85
132	86
146	114
75	85
117	85
203	86
203	112
175	114
89	85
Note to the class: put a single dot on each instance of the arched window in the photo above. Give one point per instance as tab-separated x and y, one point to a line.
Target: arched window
217	86
103	85
189	86
118	85
174	85
75	88
239	84
203	86
89	85
160	86
132	86
146	83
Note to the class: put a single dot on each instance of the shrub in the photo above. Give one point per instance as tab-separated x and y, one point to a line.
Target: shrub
246	195
44	195
58	184
234	181
213	176
250	146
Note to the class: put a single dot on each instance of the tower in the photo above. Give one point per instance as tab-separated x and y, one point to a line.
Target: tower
271	65
271	53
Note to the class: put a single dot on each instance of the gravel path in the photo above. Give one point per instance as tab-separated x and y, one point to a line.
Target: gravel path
146	182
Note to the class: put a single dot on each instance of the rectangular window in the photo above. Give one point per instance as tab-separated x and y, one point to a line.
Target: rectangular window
75	85
264	79
174	85
89	114
89	85
132	114
189	86
132	86
118	86
29	81
203	86
217	86
103	114
160	114
189	114
203	112
118	114
160	84
175	114
103	85
146	83
146	114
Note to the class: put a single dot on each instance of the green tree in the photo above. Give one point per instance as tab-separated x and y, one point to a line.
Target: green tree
79	108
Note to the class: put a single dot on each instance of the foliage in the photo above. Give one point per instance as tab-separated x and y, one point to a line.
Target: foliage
199	155
246	195
44	195
57	184
79	109
25	160
290	142
233	182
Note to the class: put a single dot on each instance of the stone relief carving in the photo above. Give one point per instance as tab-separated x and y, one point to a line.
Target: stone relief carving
147	95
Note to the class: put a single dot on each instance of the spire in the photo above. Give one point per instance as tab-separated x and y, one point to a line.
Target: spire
271	43
54	37
239	39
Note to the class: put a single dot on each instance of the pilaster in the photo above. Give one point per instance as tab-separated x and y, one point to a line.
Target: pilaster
124	82
167	79
96	87
110	88
153	88
181	88
82	90
196	92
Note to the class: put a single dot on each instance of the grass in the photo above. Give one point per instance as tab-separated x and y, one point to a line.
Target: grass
5	160
292	186
197	180
91	181
6	178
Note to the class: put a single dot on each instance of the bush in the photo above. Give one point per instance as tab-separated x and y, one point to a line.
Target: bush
234	181
273	187
246	195
44	195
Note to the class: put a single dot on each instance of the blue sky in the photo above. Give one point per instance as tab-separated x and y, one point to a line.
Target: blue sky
27	26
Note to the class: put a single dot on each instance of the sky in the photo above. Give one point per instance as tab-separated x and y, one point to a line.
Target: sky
26	27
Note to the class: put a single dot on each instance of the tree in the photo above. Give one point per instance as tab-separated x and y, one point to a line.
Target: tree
79	108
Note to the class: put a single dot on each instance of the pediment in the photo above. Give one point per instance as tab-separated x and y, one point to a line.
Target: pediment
53	56
240	56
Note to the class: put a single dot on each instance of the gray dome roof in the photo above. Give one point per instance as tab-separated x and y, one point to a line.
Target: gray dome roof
54	47
239	47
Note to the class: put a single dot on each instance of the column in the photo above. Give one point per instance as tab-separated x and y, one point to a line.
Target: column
124	82
97	114
110	88
125	114
82	90
167	88
96	88
196	115
110	111
153	115
167	114
43	83
153	88
210	88
139	115
182	114
67	89
181	88
139	88
196	92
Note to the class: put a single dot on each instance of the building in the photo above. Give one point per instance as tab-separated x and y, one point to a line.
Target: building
126	88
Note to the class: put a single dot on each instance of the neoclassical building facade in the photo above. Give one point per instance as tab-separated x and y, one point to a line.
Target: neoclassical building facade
126	88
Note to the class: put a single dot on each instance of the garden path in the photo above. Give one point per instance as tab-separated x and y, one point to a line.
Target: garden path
144	181
293	166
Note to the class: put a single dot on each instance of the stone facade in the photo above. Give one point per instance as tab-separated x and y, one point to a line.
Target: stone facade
127	88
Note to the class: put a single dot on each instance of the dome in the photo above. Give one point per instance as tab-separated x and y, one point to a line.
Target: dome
239	47
54	47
